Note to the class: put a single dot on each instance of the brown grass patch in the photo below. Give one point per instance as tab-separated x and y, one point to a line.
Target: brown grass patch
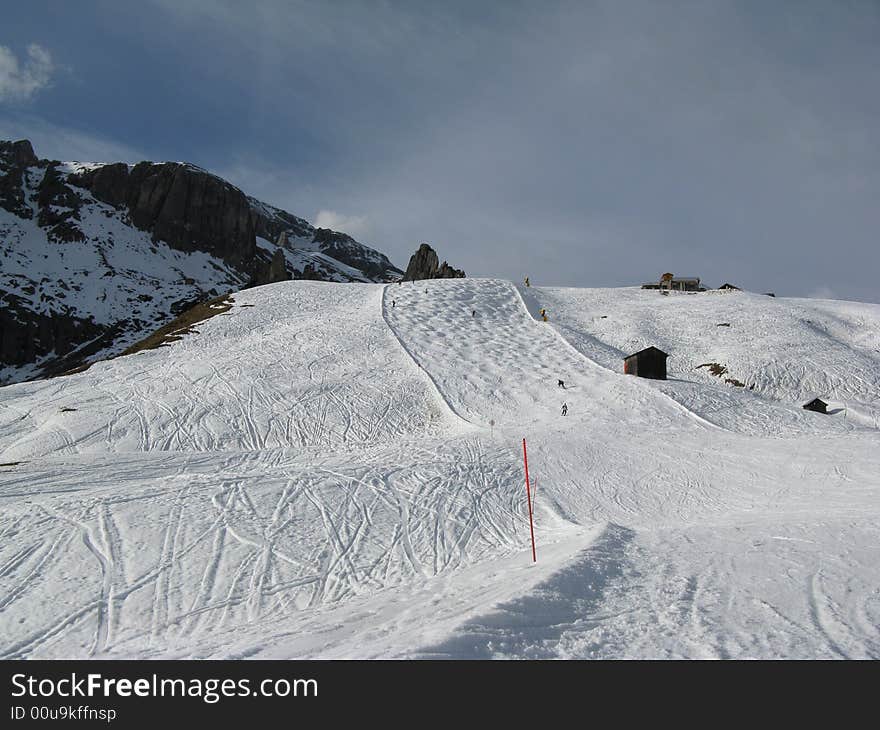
171	332
183	325
716	368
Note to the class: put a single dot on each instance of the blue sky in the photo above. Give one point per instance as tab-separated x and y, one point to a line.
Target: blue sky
583	144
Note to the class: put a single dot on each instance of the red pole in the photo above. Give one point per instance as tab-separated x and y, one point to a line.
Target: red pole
529	498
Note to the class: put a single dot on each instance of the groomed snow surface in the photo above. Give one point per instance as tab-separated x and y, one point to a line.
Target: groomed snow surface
335	470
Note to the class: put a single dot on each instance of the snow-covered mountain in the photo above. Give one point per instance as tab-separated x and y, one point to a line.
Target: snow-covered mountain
269	486
94	256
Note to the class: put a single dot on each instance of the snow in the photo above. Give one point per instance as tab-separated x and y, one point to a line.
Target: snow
318	473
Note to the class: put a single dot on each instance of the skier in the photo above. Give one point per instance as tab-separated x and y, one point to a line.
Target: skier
527	281
473	313
560	384
393	304
565	409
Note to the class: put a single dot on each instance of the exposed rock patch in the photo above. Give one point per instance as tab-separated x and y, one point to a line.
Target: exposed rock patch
15	158
425	264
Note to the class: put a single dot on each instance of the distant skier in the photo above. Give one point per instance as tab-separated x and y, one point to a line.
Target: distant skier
560	384
393	304
473	313
565	409
527	281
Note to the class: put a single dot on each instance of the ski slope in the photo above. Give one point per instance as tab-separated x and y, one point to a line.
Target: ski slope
334	470
316	367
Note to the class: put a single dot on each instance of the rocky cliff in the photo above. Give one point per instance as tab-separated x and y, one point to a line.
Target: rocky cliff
424	264
94	255
182	205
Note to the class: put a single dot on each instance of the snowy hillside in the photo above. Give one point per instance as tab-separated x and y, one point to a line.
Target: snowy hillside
95	256
273	486
785	351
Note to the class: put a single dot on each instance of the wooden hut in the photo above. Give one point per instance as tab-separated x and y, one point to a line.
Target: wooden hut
647	363
817	405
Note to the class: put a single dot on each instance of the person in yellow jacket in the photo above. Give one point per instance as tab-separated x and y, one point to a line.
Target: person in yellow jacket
527	281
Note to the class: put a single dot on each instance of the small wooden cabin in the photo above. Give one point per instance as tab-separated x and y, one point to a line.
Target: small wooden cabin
817	405
647	363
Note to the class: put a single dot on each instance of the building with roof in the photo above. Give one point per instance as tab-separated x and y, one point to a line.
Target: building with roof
647	363
817	405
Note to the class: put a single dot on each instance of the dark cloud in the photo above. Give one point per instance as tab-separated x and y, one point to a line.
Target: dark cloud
582	143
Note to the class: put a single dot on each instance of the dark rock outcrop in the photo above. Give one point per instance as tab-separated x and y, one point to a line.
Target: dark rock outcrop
18	154
59	207
270	222
274	271
278	267
57	203
310	274
424	264
186	207
27	336
108	183
15	158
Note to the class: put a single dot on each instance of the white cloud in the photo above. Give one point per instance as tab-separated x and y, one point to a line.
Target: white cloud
20	81
353	225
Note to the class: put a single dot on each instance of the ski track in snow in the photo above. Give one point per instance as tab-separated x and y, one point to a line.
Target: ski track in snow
323	473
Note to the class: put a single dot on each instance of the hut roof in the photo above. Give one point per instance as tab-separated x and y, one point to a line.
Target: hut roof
816	402
647	350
